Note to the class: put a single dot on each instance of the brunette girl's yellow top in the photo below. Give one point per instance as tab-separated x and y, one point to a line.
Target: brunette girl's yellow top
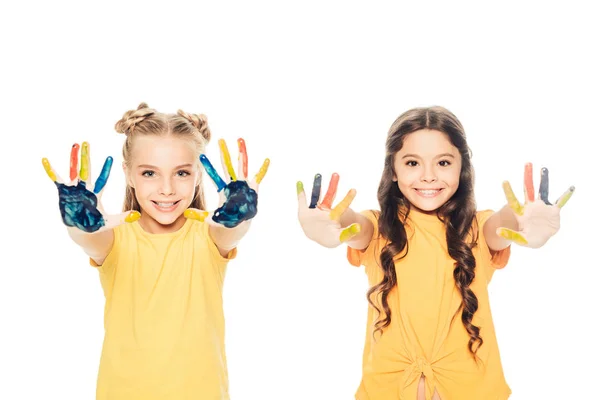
163	319
424	337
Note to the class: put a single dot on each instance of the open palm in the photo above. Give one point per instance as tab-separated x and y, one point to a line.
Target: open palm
79	199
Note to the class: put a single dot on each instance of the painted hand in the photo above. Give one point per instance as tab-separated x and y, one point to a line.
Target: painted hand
79	200
238	197
538	219
319	221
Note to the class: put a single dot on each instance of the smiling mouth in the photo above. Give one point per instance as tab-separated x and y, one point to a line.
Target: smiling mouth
428	192
166	205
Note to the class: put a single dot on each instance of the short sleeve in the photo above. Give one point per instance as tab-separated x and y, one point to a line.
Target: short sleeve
367	256
492	260
215	254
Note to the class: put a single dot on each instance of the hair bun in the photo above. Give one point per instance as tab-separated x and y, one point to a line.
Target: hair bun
199	121
133	117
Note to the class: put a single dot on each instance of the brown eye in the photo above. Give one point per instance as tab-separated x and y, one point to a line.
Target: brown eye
183	173
148	174
444	163
412	163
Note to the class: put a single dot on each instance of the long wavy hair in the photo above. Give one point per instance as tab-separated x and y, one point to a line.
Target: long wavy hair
458	215
146	121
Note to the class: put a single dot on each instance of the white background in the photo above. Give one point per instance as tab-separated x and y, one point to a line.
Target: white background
314	86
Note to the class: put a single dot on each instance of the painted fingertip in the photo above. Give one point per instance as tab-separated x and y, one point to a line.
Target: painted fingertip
193	214
74	161
299	187
349	232
48	169
511	235
565	197
133	216
263	170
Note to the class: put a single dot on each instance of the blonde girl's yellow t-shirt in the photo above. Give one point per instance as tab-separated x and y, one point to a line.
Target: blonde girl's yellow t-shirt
163	318
424	338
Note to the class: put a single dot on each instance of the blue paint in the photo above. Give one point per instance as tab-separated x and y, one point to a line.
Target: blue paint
212	173
316	191
79	207
101	181
240	204
544	186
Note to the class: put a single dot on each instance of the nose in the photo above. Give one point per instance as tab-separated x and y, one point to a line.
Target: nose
428	175
167	188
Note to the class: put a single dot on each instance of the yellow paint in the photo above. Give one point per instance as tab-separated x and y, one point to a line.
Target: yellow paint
263	171
512	199
338	210
85	162
227	159
48	169
349	232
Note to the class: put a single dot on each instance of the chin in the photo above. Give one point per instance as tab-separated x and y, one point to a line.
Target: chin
427	206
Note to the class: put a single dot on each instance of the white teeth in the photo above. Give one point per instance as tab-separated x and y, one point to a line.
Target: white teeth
428	192
166	205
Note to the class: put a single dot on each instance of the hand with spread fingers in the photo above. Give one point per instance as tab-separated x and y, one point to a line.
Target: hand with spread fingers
319	221
238	198
79	200
538	219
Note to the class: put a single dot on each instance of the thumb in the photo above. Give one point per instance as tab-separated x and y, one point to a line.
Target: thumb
513	236
194	213
112	221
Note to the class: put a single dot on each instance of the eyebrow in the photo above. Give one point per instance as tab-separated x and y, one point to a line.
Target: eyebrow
438	156
148	166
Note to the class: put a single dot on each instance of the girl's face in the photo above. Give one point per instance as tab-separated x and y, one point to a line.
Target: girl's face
427	169
164	173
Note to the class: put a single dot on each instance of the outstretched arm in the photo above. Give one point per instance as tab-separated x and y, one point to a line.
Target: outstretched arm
329	226
81	208
529	225
238	198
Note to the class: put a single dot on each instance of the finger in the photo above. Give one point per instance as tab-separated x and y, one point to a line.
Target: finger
101	181
337	212
193	213
331	191
316	191
565	197
50	171
349	232
512	199
301	195
511	235
84	168
544	183
210	170
528	184
226	161
242	159
113	221
262	171
74	163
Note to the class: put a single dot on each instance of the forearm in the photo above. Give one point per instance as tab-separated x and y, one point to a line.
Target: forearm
96	245
504	218
228	239
363	238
